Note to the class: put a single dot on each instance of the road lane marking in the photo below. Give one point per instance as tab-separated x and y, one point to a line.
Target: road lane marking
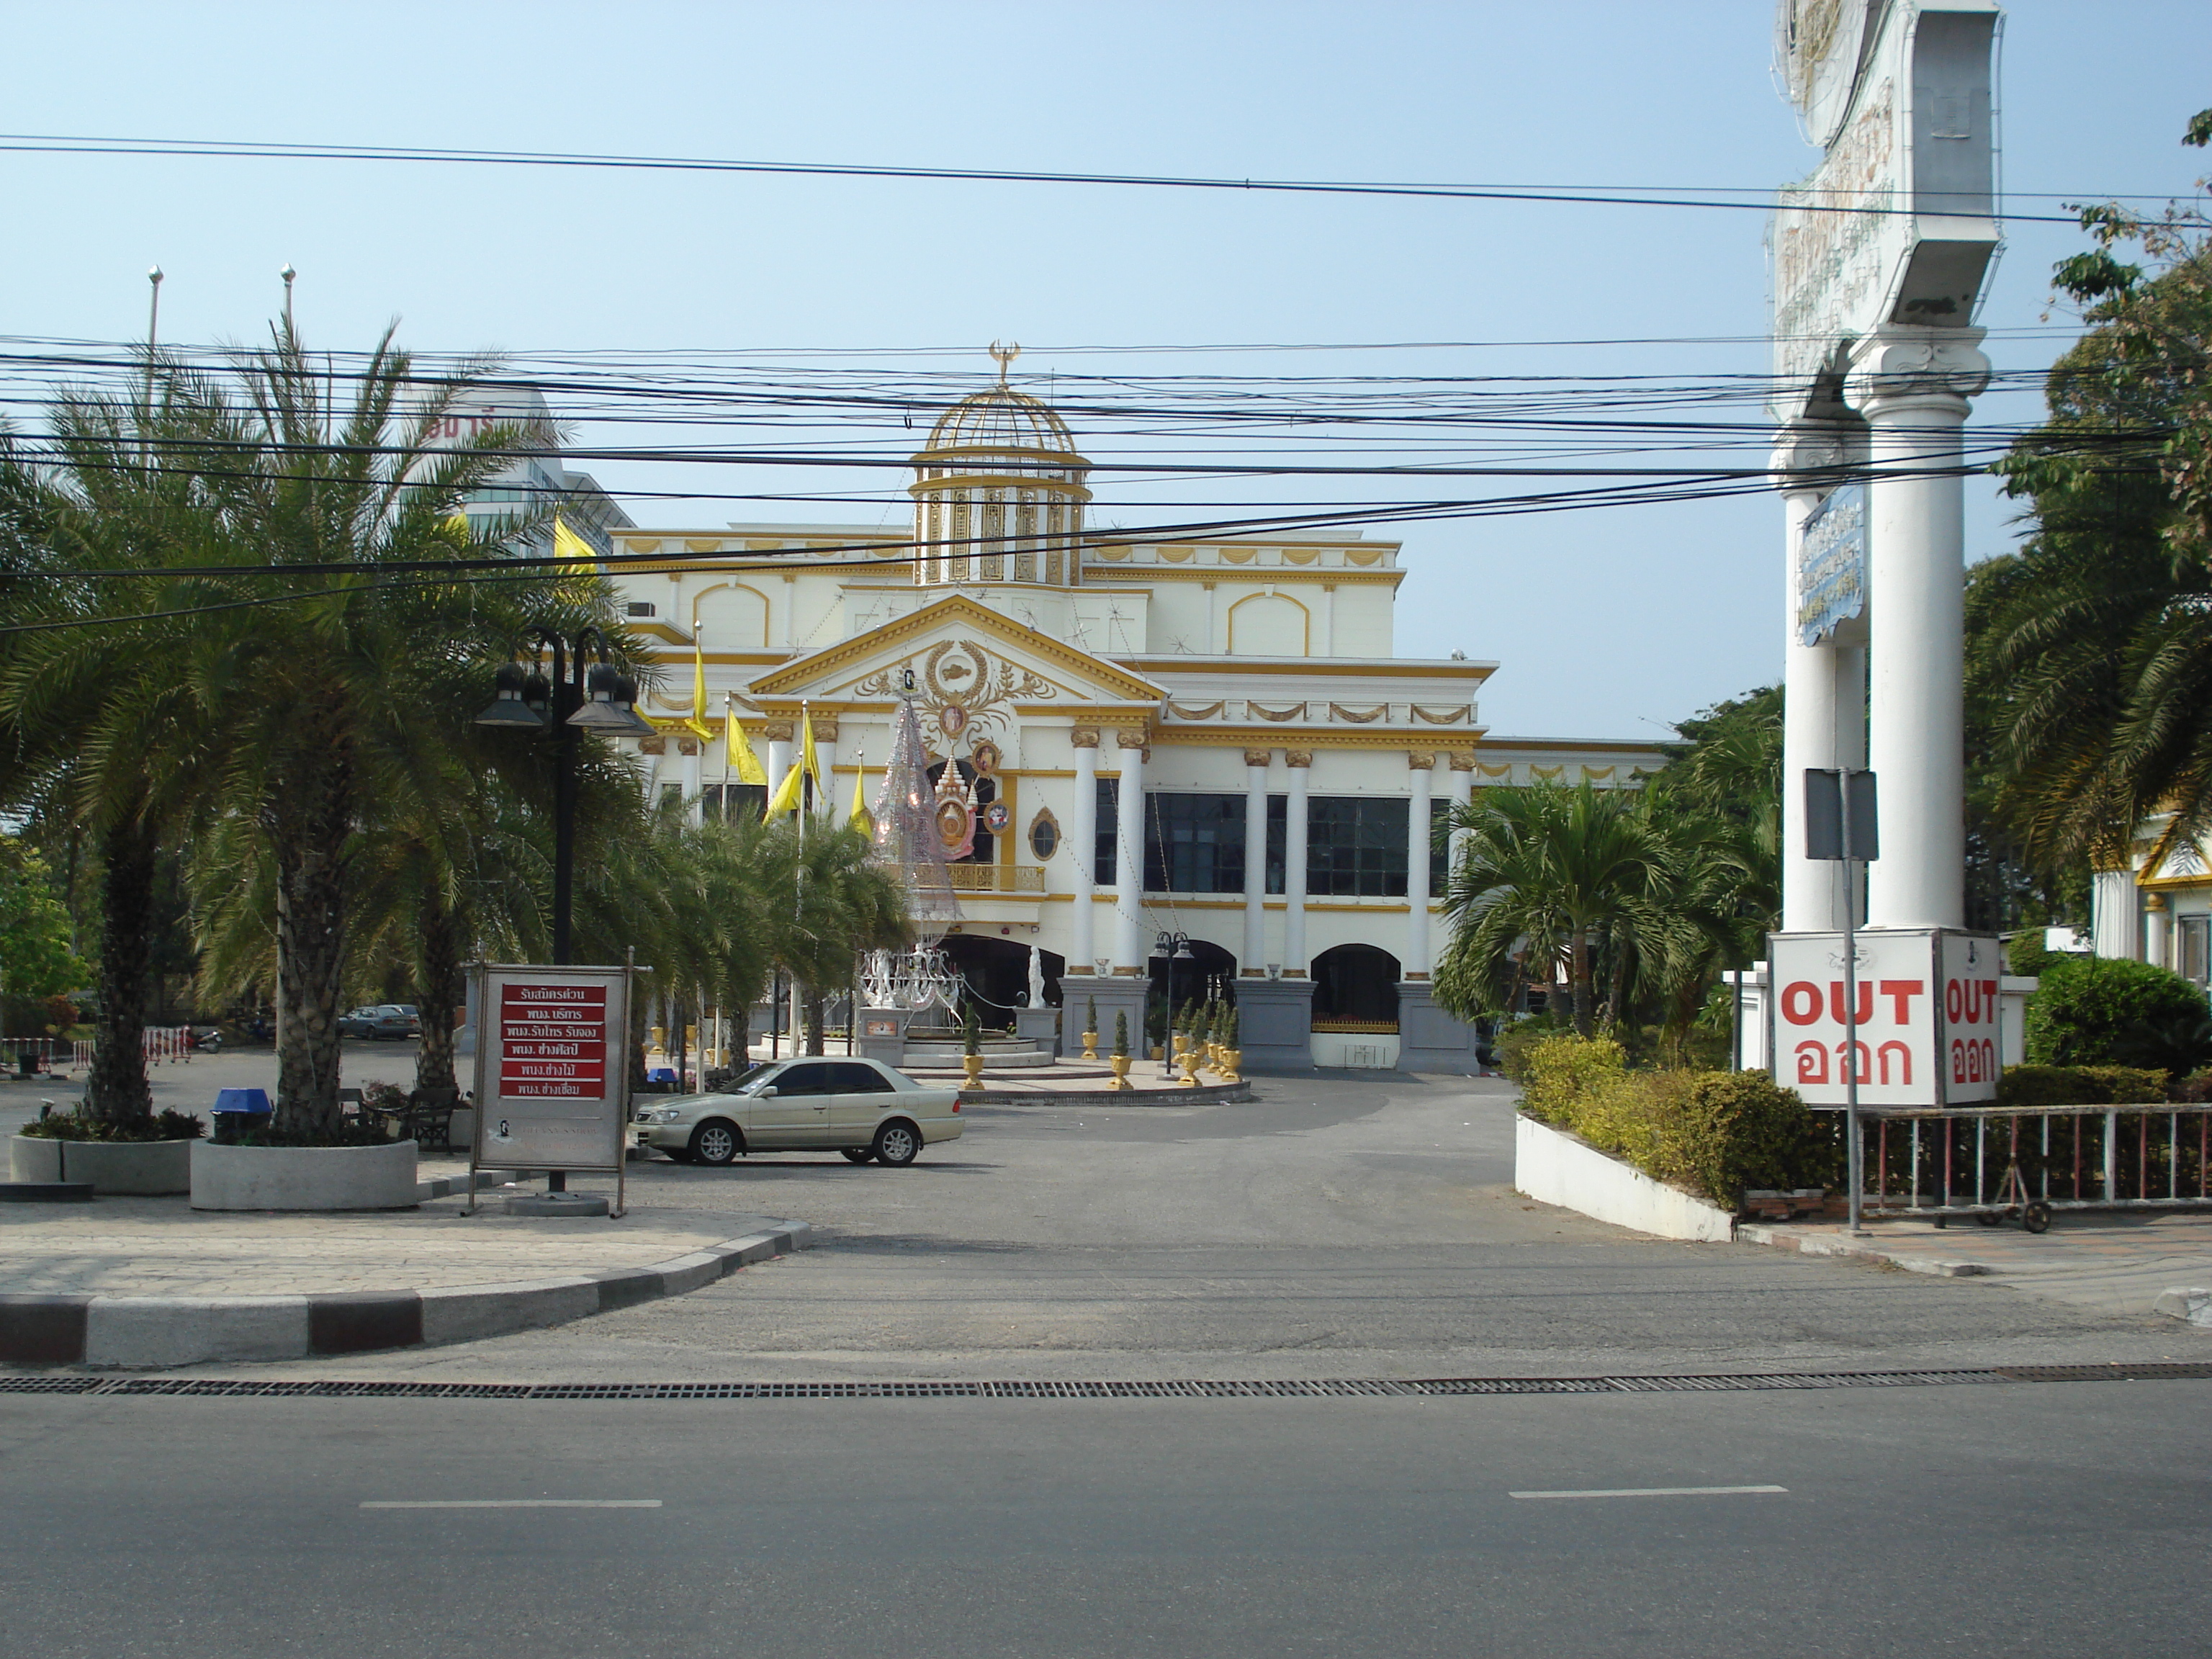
512	1504
1656	1492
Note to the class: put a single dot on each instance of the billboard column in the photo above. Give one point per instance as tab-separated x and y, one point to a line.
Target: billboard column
1914	387
1824	689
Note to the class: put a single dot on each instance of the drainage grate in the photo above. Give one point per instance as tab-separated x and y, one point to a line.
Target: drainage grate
1371	1388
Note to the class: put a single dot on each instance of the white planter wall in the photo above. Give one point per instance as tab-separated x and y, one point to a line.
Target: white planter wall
1555	1167
303	1177
139	1168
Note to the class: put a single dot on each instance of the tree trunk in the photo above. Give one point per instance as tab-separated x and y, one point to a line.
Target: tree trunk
1578	958
117	1091
813	1011
441	991
741	1039
309	822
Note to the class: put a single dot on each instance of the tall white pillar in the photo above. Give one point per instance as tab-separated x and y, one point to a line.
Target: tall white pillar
1914	385
690	747
2115	911
825	754
1294	867
1823	695
1131	948
1463	791
1415	965
1082	850
2154	930
1256	864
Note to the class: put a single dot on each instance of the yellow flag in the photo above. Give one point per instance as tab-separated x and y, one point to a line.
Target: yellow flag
787	797
810	762
698	720
745	763
568	544
861	817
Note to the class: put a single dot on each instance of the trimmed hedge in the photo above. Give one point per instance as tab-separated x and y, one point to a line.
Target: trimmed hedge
1713	1133
2080	1085
2089	1011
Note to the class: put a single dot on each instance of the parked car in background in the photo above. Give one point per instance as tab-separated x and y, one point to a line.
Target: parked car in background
862	1107
382	1020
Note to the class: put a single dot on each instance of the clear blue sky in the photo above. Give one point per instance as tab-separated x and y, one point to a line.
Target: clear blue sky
1605	623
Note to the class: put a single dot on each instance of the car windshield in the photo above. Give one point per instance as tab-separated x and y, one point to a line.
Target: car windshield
756	1076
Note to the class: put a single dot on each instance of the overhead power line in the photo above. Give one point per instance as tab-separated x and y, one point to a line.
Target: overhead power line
1675	197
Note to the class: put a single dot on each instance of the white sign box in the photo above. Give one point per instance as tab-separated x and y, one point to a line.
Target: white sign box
1926	1016
552	1066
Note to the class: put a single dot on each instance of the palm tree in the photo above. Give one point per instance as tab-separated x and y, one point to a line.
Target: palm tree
1544	873
103	732
342	680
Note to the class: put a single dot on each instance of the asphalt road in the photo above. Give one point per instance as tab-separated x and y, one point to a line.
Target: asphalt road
1357	1225
1964	1521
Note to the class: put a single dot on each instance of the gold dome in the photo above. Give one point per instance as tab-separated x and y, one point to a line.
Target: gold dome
998	492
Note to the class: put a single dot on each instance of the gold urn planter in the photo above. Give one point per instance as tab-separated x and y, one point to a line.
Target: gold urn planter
973	1064
1090	1045
1230	1060
1189	1061
1120	1065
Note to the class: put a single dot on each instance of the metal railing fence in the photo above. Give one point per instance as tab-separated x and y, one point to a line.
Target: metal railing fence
1995	1159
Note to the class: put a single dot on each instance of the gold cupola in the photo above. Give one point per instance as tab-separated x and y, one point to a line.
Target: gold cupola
998	492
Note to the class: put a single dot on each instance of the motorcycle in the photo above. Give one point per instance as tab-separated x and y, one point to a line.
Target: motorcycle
208	1042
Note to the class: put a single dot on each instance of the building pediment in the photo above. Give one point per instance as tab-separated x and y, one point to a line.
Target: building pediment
960	652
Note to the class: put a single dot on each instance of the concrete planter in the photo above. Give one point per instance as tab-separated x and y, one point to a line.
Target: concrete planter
137	1168
1553	1167
303	1177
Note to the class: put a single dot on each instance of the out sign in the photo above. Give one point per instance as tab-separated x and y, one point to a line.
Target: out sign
1922	1025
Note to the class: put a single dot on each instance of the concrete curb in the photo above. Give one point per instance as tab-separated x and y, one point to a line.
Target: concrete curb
1779	1238
1205	1091
143	1333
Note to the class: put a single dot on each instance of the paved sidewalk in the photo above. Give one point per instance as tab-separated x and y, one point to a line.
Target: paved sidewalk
2115	1262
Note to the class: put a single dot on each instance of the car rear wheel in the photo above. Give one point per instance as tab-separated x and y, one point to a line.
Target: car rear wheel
859	1154
676	1155
897	1145
713	1142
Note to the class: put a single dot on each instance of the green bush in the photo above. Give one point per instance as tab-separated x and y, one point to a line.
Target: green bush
164	1124
1714	1133
2079	1085
1514	1042
2099	1010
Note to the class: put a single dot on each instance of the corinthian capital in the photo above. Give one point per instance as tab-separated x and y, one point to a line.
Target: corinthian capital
1805	455
1917	364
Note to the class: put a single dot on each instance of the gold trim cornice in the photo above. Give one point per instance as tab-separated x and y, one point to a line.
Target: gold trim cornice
957	609
1400	739
1242	575
1381	668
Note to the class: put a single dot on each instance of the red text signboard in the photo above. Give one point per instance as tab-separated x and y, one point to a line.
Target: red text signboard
550	1071
552	1042
1922	1030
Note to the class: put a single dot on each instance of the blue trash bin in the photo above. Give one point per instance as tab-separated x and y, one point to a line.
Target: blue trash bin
238	1110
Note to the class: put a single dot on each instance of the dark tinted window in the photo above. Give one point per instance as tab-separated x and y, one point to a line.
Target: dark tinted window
1194	843
809	1080
1356	845
1105	871
849	1078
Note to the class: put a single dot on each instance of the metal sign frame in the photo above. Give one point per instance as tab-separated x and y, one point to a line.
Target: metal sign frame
545	1100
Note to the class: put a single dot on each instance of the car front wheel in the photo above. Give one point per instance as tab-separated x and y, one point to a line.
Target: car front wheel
896	1144
713	1142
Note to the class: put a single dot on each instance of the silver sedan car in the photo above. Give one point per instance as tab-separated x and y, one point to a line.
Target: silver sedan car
861	1108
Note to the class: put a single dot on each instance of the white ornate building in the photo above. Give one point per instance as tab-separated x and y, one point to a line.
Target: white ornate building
1211	738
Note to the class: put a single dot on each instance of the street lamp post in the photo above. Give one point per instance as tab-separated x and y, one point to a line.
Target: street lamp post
581	696
1176	947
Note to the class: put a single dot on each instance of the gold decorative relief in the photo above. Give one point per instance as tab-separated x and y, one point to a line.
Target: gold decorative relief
1297	711
966	691
1598	774
1083	737
1299	758
1504	771
1458	716
1359	716
777	731
1362	555
1545	771
653	745
1210	711
1300	555
1113	552
1462	761
1239	554
1176	553
1257	756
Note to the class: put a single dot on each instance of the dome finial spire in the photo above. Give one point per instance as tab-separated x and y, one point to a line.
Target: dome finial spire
1004	356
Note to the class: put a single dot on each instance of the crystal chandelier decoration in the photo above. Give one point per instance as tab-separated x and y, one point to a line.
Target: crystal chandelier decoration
907	842
917	978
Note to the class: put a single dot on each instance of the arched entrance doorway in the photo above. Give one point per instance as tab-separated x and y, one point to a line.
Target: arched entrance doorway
1355	989
1210	972
996	975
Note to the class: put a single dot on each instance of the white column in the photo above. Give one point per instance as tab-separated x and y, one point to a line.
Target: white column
1130	945
1463	791
2154	930
1415	962
2113	912
1326	645
1256	864
1913	385
691	759
1082	844
1294	867
825	754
